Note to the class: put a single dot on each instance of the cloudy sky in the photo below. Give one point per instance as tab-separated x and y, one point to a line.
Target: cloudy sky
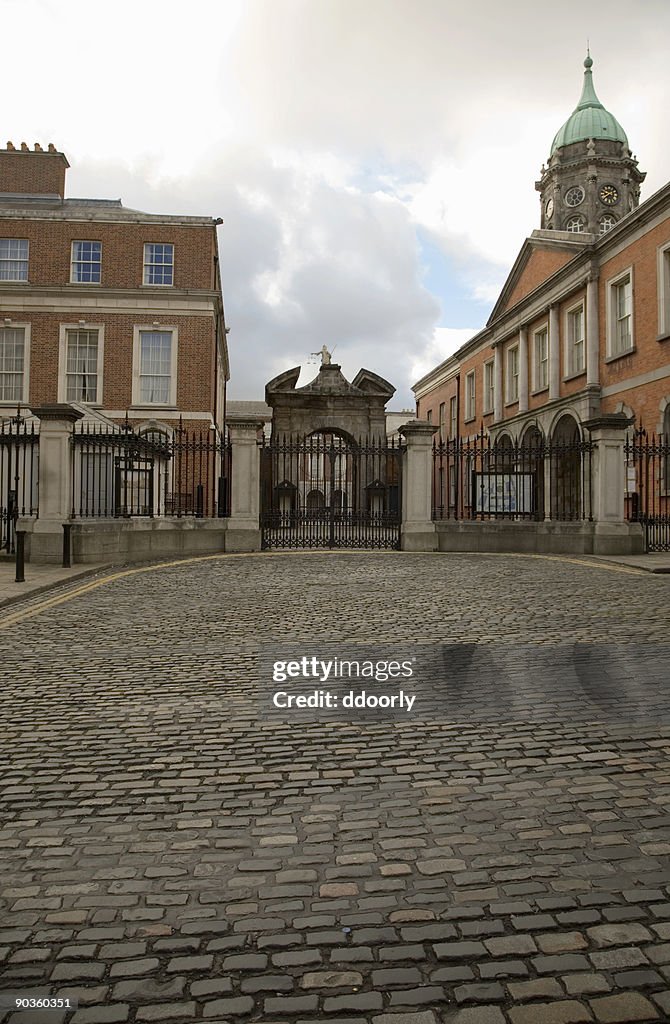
373	160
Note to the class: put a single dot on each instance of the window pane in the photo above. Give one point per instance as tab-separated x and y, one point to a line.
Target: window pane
158	263
155	366
13	259
86	262
12	354
81	366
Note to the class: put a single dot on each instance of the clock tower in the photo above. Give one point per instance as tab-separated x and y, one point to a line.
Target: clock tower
592	179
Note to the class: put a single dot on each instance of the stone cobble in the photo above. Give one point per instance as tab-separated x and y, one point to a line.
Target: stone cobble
169	853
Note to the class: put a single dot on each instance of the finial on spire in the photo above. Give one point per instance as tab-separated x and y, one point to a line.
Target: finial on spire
588	63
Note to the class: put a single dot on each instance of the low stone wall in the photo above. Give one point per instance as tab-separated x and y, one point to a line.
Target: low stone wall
119	541
558	538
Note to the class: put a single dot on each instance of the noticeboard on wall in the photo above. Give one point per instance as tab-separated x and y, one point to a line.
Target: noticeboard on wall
503	493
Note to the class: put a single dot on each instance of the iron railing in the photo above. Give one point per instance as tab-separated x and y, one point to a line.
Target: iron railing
648	486
117	472
478	479
325	491
19	459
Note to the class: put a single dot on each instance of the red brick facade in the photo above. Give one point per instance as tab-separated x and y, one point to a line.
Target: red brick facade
32	172
543	289
46	297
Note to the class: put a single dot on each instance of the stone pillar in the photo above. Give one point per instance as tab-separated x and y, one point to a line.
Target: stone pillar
243	527
523	370
613	535
592	333
55	482
418	529
554	355
498	389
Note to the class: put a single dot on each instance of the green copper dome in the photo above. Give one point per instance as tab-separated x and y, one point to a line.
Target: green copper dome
589	119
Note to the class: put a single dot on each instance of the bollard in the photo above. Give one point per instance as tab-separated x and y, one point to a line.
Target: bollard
67	559
20	556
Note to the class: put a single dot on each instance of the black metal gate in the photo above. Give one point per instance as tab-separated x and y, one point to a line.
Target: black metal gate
648	487
325	491
19	458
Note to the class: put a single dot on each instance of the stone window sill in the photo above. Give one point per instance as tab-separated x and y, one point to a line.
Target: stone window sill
621	355
573	376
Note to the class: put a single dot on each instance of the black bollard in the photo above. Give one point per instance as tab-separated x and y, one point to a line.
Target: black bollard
67	559
20	556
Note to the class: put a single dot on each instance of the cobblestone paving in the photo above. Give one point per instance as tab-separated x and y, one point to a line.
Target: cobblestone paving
167	856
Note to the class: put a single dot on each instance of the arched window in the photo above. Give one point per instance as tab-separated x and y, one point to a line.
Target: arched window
575	224
606	223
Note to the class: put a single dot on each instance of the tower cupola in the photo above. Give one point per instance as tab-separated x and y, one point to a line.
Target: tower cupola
592	179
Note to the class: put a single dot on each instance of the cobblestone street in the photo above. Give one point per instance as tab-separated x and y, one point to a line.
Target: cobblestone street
167	854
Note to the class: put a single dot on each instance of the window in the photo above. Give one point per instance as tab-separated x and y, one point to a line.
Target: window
665	461
452	485
489	387
541	359
620	315
575	195
442	419
575	341
155	366
453	417
606	224
158	263
13	259
470	397
513	374
664	291
81	365
86	262
429	416
575	224
13	368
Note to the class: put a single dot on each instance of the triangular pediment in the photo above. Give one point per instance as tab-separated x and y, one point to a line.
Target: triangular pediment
540	256
372	384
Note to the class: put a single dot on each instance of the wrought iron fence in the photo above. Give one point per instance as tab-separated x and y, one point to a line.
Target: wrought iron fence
648	487
117	472
325	491
19	457
478	479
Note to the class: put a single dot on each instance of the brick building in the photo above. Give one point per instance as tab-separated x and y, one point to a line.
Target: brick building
582	325
109	309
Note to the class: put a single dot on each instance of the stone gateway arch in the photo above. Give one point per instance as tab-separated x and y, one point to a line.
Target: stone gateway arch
329	476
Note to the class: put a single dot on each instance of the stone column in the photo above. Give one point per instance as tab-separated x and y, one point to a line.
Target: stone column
498	389
418	529
55	482
613	535
523	370
554	355
592	333
243	527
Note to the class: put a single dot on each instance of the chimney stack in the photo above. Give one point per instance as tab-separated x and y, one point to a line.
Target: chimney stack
32	172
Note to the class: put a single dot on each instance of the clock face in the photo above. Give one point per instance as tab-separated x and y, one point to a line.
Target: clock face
574	196
549	209
608	195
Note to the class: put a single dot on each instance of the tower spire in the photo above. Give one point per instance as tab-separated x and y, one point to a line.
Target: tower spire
592	179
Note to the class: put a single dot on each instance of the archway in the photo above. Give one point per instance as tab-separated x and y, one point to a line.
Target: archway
565	453
532	462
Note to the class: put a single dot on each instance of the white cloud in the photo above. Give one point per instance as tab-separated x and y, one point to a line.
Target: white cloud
326	134
445	341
